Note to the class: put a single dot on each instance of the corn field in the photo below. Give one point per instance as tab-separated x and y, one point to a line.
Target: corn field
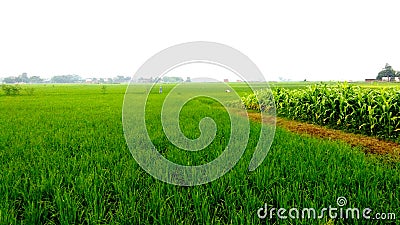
370	111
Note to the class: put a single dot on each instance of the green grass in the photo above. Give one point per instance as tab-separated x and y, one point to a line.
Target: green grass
64	160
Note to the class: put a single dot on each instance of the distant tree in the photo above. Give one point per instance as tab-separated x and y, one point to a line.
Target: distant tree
35	79
10	80
388	71
66	79
23	78
172	79
121	79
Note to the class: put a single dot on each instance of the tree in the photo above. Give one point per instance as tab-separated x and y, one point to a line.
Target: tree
172	79
388	71
10	80
121	79
23	78
35	79
66	79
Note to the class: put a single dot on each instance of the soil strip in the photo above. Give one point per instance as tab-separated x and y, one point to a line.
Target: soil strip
369	144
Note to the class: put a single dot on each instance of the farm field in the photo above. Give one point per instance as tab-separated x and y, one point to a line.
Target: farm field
64	160
358	109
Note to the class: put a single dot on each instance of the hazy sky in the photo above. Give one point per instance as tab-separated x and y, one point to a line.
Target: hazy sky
316	40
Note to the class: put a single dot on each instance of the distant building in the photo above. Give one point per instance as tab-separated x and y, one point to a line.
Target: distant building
397	79
226	80
385	78
370	80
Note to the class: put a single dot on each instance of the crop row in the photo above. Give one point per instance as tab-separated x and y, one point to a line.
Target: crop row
374	112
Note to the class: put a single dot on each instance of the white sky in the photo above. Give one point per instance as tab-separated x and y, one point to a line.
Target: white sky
316	40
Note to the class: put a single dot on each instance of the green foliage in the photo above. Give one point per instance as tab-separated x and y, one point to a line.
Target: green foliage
369	111
388	71
172	79
259	100
66	79
11	90
23	78
64	160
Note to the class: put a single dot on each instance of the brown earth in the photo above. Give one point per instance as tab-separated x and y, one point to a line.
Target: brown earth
369	144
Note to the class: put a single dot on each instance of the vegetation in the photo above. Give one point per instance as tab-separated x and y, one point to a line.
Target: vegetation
167	79
66	79
62	79
23	78
64	160
388	72
11	89
369	111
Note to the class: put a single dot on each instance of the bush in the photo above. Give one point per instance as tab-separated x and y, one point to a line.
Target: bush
11	89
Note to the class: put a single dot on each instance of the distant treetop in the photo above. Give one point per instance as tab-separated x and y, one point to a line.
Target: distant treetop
389	72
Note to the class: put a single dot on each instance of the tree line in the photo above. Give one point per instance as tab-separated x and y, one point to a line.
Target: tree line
23	78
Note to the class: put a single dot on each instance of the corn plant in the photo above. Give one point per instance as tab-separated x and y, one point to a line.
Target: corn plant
374	112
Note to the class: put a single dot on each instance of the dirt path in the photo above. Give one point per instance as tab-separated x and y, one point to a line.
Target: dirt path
369	144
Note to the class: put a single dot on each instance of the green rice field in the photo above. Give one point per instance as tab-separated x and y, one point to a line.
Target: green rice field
64	160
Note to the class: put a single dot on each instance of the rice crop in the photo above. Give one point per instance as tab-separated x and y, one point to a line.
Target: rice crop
64	160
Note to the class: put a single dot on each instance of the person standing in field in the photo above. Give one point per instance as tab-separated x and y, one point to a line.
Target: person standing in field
160	91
